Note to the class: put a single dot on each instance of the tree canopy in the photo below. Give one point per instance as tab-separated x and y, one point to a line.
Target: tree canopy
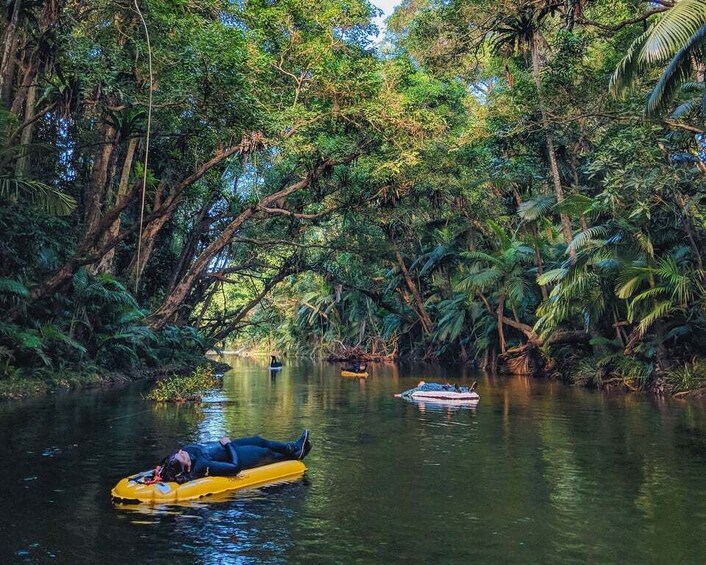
513	184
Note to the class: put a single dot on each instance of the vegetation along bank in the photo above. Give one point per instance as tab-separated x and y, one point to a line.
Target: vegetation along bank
510	183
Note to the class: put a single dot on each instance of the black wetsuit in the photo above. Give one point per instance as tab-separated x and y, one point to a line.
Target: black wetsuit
213	458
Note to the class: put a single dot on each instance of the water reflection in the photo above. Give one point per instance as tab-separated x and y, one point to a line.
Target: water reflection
533	473
441	405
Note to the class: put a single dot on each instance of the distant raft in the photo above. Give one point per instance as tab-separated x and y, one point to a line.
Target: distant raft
441	393
138	488
362	374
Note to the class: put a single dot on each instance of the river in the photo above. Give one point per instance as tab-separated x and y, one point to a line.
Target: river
537	472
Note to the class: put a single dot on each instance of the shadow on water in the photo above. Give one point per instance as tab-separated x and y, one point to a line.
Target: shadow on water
535	472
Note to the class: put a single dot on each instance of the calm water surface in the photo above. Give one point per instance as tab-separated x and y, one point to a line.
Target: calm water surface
535	473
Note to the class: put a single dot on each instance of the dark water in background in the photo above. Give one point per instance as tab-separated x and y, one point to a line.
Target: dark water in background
536	473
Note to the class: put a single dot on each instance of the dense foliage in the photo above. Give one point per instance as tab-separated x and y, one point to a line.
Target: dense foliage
512	183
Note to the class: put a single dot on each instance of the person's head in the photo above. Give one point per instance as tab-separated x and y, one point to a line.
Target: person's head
175	468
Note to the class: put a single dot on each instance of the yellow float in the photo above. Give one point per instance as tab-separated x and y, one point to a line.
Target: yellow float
134	488
352	374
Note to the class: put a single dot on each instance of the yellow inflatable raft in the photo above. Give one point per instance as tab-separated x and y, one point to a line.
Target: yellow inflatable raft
134	489
352	374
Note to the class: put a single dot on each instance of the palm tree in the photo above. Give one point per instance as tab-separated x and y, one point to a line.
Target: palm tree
504	279
522	30
676	39
669	289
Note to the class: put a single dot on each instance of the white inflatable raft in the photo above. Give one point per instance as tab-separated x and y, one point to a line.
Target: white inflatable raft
441	393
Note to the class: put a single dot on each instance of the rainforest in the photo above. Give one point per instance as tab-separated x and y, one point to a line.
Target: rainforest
515	185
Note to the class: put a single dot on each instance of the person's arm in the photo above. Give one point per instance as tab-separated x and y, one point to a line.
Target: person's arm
204	465
230	449
221	469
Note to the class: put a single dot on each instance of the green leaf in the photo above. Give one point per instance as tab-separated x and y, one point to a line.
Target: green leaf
39	194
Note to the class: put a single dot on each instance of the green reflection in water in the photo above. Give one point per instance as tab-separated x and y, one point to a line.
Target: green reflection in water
535	473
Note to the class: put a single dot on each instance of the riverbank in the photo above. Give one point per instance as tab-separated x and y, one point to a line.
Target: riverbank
25	387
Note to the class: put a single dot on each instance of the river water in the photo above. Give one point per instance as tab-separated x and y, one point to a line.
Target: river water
535	473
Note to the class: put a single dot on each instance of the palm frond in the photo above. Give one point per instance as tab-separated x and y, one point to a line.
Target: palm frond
480	256
452	320
685	110
39	194
659	310
692	86
627	69
517	291
391	325
501	233
552	276
677	72
13	287
575	204
673	31
481	280
536	207
54	333
434	259
584	237
628	287
649	294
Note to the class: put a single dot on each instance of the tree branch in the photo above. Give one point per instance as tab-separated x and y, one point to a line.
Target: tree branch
624	23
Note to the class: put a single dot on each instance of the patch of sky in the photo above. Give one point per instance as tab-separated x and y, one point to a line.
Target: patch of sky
380	39
65	146
249	183
386	9
229	20
247	180
481	89
366	37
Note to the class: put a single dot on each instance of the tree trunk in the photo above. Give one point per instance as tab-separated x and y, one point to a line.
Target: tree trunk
538	259
178	296
105	265
23	162
227	329
189	249
149	238
7	65
421	310
28	79
169	206
501	314
47	21
551	152
575	172
96	197
89	251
